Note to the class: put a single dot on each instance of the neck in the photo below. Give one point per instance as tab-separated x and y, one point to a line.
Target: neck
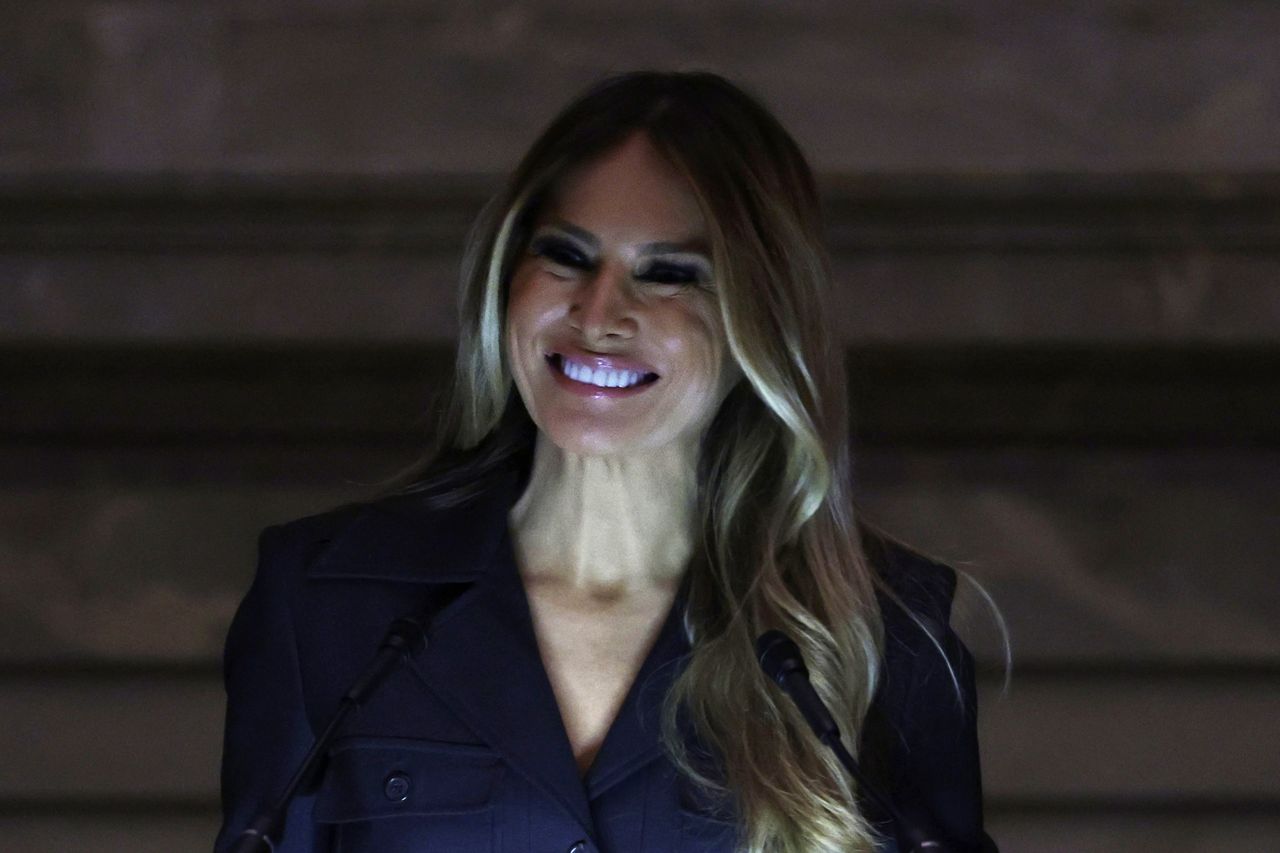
609	525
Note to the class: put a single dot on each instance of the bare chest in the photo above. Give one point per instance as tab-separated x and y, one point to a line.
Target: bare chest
592	650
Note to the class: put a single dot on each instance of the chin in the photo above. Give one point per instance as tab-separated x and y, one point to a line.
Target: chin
593	442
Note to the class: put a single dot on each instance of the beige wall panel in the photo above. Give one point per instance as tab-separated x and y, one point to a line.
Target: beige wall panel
1055	296
132	574
69	833
1162	832
1099	555
285	297
110	738
1146	556
462	86
1137	739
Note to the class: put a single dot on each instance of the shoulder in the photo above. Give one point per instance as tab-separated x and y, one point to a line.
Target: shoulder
920	736
912	590
297	542
285	553
926	670
399	537
315	529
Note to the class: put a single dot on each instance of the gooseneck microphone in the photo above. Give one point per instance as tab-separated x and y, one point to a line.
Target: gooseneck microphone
405	638
782	662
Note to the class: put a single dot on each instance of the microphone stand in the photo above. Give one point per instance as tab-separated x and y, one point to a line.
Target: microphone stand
405	638
782	662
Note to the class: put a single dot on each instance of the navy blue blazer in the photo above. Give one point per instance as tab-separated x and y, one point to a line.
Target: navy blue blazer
463	749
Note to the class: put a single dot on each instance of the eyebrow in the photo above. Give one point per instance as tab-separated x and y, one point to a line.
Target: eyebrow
694	245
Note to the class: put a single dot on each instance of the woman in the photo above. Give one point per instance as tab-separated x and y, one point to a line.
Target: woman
642	469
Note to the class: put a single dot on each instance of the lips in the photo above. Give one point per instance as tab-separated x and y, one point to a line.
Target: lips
598	376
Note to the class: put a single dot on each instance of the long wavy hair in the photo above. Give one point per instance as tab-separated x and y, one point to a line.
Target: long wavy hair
779	544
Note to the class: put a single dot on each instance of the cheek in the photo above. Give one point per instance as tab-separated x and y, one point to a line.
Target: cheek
712	344
701	348
527	311
520	322
517	301
723	372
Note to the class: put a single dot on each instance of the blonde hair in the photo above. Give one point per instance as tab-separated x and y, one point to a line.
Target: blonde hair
780	546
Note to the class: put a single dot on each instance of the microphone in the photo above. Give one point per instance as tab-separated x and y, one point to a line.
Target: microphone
406	638
782	662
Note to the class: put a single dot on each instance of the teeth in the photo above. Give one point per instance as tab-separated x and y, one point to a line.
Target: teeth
601	378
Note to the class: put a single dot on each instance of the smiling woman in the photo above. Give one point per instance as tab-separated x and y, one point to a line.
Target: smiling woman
613	329
642	469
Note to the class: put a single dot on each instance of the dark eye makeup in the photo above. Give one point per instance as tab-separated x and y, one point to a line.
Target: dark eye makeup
563	252
671	272
559	251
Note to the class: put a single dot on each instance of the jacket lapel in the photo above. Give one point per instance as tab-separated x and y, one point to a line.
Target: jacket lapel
482	658
635	738
487	667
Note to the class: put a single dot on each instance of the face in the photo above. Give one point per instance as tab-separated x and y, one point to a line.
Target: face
613	331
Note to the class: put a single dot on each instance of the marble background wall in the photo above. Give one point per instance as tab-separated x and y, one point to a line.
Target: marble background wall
228	241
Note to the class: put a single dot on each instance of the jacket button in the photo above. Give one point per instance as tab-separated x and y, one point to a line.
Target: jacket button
396	787
578	847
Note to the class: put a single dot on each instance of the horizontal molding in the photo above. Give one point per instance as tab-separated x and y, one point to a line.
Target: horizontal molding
1148	807
941	395
125	808
237	215
1102	671
431	213
1053	212
158	832
110	807
916	259
990	676
1124	833
1151	746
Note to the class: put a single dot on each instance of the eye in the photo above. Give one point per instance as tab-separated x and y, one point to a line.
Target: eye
670	272
560	252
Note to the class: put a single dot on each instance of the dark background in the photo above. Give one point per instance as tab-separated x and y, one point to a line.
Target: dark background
228	241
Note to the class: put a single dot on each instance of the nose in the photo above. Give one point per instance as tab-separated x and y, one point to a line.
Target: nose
603	307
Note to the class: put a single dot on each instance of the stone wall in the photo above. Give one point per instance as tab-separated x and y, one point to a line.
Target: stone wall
228	243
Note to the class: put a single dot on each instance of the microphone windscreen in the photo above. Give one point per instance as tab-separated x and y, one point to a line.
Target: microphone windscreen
779	655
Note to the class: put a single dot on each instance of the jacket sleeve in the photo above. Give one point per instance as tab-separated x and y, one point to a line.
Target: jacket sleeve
267	733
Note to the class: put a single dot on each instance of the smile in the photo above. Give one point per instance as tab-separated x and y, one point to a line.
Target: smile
589	379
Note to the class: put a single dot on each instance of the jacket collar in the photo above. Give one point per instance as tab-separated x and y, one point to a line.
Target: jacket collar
404	538
483	659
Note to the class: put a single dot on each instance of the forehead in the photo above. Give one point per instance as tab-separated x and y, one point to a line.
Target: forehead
629	193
